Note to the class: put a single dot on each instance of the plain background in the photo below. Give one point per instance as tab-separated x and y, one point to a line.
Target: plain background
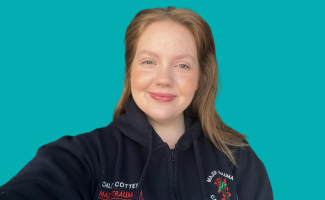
62	71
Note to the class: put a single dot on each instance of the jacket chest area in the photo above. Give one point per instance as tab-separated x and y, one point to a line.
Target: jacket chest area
170	175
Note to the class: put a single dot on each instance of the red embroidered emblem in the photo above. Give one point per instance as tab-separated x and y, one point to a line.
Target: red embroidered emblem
223	188
118	195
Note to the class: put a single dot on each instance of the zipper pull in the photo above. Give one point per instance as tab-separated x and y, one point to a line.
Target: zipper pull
173	155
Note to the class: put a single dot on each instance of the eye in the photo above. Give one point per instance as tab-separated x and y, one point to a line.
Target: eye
147	62
183	66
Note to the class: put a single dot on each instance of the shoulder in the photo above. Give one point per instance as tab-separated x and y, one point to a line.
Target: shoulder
245	158
96	135
85	142
248	162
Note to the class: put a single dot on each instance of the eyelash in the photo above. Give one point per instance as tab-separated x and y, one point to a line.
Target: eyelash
179	64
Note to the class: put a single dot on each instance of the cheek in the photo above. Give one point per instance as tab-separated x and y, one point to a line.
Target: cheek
140	80
188	84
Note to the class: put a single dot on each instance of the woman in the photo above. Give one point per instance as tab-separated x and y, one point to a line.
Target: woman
166	140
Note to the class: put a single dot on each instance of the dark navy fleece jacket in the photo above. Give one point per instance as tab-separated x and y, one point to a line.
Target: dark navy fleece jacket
127	160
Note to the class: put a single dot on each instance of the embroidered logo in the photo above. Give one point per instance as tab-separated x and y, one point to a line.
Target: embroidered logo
118	195
218	180
222	188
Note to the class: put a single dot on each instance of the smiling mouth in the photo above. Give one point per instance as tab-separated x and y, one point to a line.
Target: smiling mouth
162	97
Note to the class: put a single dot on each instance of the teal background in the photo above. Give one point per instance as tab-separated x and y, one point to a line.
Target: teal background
62	70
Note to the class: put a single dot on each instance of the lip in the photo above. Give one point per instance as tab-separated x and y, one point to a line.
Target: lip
162	97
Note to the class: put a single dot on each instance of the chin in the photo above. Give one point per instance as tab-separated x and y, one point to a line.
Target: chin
159	116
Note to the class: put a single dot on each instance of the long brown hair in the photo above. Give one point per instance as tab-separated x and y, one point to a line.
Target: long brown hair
203	103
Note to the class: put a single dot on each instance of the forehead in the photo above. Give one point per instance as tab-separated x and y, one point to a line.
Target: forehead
167	37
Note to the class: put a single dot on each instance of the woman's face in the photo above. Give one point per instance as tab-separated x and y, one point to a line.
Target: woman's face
165	62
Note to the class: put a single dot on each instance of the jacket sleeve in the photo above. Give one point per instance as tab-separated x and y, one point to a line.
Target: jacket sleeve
252	181
63	169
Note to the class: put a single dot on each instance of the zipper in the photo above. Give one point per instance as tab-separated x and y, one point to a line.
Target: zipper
173	163
173	157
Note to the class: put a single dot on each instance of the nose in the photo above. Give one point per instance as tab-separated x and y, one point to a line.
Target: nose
164	76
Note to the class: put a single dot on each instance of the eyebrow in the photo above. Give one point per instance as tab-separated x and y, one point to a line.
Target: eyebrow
156	55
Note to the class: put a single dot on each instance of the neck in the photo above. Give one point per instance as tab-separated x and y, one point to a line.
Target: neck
170	130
